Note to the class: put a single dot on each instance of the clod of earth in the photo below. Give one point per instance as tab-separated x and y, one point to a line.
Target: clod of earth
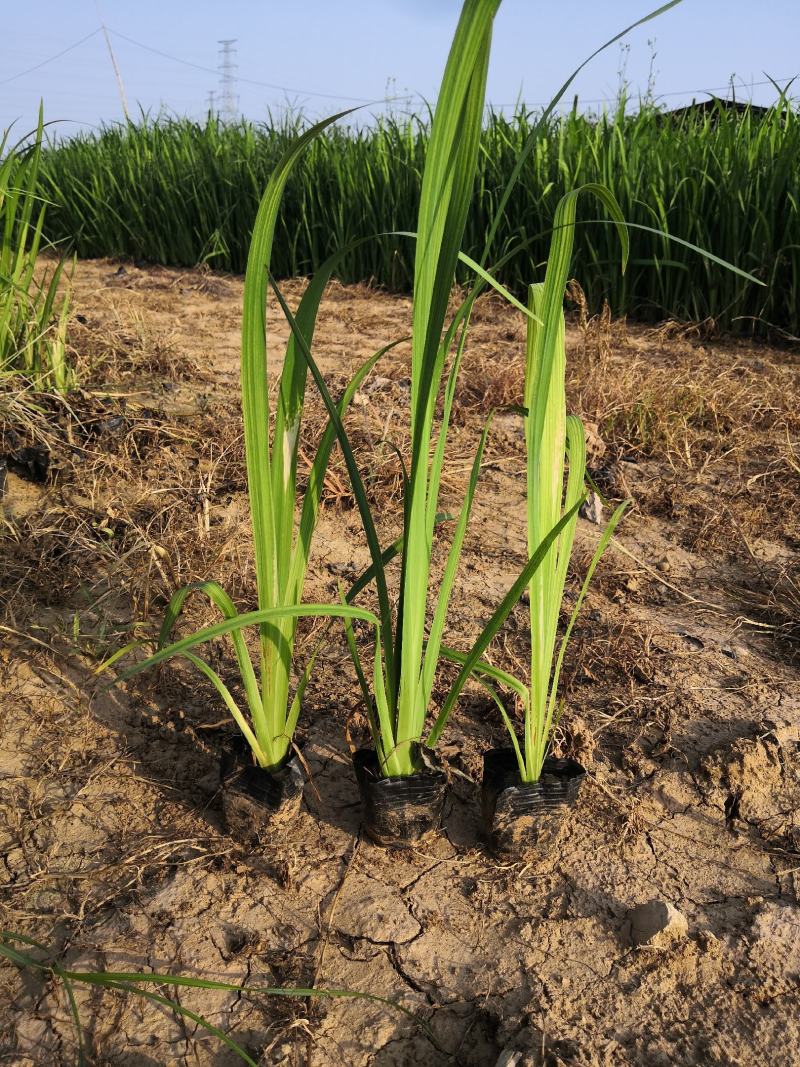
656	924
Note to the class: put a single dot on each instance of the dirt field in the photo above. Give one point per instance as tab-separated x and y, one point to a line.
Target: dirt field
682	691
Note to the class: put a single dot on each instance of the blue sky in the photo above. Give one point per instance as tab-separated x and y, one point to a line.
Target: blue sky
318	53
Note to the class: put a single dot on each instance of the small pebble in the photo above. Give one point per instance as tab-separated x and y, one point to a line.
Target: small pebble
592	509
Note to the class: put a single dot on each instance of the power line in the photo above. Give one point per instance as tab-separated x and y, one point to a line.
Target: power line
658	96
248	81
719	88
353	99
366	100
50	59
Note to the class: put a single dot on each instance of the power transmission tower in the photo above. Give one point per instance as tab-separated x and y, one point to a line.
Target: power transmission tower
211	100
229	108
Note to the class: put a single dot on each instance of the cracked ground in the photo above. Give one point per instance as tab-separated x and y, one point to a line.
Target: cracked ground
681	688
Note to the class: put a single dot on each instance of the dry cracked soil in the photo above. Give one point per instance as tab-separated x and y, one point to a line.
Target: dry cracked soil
681	692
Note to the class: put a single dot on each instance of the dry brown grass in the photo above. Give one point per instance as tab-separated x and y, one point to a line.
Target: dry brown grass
148	487
127	508
702	432
770	595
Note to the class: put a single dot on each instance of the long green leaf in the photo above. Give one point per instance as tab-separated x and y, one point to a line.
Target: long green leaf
436	633
179	1009
481	672
493	626
607	534
255	388
444	202
221	600
541	125
356	482
265	759
291	394
131	981
316	478
249	618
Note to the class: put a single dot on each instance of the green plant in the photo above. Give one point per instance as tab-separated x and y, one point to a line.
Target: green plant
408	645
134	982
402	674
281	545
409	648
178	192
551	436
404	665
33	316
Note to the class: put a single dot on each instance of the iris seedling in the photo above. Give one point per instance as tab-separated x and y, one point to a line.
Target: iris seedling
397	691
554	441
407	652
281	543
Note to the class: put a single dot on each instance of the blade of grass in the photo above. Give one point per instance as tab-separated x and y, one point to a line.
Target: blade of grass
249	618
131	981
356	482
432	650
493	626
255	393
217	595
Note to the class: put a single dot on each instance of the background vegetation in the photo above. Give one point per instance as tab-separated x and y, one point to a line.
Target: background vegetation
178	192
33	311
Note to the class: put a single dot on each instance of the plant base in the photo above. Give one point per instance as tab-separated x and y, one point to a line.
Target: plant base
256	800
526	818
398	811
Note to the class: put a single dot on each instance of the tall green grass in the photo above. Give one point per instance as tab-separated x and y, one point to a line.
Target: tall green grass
178	192
409	647
33	311
556	484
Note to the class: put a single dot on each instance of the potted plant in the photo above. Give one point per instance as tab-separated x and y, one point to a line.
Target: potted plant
525	791
402	785
262	778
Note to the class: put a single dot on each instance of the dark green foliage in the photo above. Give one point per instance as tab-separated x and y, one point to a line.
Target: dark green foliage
177	192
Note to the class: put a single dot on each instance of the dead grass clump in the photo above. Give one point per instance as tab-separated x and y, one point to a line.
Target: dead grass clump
724	420
770	596
682	401
137	506
728	525
489	381
377	437
673	330
493	366
129	349
23	417
599	334
619	652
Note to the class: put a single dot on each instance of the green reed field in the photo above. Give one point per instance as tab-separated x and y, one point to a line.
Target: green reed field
179	192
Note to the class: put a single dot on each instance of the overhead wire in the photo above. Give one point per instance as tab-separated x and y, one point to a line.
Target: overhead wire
353	99
50	59
246	81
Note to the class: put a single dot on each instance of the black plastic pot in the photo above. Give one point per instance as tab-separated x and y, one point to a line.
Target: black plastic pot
526	818
399	811
256	800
